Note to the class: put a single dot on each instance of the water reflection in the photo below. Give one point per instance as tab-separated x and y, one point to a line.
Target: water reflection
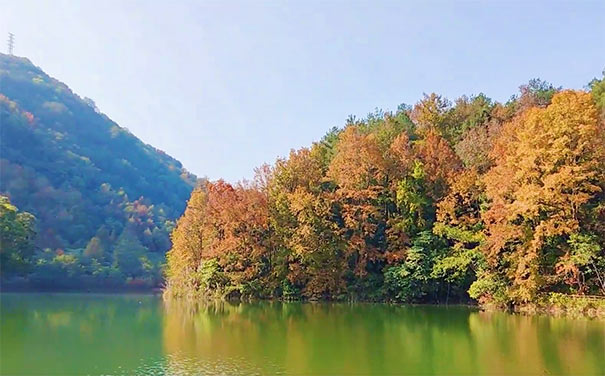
124	334
61	334
375	339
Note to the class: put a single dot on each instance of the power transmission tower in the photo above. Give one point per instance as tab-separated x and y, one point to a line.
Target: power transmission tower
11	43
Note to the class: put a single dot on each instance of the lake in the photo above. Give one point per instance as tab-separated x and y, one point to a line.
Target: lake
47	334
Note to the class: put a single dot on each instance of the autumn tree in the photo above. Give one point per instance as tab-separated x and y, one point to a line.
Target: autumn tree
431	113
439	162
459	223
543	194
359	170
188	238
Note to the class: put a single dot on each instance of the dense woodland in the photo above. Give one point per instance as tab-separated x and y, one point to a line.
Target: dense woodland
503	203
96	204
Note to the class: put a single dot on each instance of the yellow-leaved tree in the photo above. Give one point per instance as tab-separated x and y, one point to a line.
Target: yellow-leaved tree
545	193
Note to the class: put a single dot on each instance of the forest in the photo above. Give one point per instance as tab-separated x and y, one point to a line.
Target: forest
464	201
475	200
84	202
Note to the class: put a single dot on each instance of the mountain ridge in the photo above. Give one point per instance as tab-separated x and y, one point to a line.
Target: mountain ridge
82	175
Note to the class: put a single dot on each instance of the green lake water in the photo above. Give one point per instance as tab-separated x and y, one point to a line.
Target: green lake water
48	334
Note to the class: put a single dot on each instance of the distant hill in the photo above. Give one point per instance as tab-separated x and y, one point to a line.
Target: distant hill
91	184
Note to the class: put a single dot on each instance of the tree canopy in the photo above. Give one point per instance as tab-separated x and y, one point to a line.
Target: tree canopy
442	201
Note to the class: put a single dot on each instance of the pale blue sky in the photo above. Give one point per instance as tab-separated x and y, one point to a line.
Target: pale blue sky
224	86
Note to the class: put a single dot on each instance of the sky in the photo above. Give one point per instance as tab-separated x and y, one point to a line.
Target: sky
225	86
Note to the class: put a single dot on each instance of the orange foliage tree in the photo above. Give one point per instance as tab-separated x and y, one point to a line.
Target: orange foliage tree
545	193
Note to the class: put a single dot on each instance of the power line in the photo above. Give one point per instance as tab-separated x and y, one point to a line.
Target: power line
11	43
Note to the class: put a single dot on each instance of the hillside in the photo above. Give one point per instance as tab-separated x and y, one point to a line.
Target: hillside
91	184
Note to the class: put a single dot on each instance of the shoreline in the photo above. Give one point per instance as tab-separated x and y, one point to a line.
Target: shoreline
564	307
100	290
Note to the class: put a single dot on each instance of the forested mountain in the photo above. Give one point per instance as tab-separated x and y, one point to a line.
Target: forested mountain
500	202
104	202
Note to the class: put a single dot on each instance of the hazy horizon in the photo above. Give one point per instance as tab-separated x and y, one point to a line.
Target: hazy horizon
225	87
